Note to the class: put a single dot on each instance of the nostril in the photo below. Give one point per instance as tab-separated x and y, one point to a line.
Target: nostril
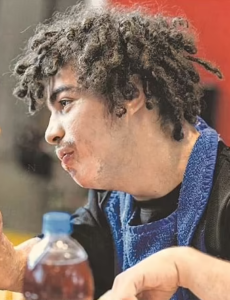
56	139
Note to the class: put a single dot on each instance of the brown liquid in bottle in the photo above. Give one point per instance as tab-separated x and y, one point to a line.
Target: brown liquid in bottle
59	282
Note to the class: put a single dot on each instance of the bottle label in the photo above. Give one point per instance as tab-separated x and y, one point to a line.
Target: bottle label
37	254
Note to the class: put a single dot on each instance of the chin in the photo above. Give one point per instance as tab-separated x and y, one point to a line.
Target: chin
80	182
83	181
87	178
88	183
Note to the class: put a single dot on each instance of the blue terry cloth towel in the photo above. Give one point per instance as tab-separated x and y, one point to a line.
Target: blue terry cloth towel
134	243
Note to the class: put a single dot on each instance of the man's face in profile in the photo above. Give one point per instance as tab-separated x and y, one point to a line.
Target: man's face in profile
89	142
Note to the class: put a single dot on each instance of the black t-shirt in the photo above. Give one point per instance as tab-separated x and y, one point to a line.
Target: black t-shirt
156	209
92	230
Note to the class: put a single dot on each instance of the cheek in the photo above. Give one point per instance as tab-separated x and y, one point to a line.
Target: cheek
85	132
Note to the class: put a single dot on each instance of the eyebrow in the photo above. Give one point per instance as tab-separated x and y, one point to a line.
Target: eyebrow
59	90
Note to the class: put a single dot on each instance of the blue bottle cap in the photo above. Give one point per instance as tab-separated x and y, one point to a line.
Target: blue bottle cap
56	223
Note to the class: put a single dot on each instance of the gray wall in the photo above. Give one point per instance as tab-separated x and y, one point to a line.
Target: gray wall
24	197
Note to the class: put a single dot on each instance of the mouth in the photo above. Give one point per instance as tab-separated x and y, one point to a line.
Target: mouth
66	163
66	157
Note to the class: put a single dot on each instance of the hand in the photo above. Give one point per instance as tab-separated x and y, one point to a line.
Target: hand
12	261
155	278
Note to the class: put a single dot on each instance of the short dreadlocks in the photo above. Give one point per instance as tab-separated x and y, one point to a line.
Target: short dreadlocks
107	47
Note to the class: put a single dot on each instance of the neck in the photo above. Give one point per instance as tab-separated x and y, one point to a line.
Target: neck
158	164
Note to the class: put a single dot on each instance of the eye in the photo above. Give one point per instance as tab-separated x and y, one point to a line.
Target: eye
64	103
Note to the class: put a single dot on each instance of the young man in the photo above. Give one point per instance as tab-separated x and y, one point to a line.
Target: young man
124	97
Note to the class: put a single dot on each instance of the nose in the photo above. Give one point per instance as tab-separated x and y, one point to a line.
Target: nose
54	132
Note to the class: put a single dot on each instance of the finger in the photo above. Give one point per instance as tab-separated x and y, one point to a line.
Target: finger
127	285
106	296
112	295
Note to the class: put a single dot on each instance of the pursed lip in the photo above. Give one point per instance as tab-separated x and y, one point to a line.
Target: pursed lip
66	160
64	153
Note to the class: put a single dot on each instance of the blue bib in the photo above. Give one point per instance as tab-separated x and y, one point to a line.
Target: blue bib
134	243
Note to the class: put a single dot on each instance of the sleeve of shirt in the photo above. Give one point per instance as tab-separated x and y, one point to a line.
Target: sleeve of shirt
227	231
217	227
91	230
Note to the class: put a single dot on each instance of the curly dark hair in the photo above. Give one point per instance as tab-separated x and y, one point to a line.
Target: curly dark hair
107	47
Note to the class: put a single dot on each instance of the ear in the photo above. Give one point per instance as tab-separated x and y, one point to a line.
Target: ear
138	103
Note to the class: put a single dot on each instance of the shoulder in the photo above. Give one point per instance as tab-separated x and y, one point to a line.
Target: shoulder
218	211
223	153
221	184
221	179
222	169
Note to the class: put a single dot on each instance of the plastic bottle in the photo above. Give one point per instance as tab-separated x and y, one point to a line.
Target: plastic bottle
57	267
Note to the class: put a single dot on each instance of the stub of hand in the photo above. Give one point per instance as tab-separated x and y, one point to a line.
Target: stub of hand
154	278
12	261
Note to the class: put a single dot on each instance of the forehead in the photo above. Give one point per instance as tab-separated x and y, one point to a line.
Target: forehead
65	76
64	83
65	80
